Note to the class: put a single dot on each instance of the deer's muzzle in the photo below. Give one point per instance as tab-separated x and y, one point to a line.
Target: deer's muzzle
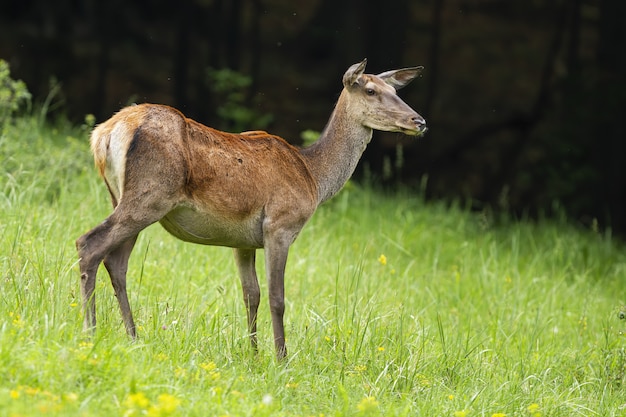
416	126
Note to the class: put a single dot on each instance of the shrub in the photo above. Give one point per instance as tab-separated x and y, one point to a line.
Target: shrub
13	93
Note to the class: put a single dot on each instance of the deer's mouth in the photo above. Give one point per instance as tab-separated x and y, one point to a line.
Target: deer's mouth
415	132
415	126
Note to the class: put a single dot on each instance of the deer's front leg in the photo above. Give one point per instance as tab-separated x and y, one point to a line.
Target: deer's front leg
275	260
245	260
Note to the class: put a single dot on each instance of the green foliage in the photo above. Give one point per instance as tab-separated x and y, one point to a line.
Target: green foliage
394	308
229	89
13	93
309	137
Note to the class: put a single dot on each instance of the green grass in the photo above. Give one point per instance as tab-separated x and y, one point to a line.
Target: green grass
460	317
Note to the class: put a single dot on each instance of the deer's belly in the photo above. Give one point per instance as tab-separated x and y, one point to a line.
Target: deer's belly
206	229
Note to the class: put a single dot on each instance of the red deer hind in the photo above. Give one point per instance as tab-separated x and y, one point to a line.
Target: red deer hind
246	191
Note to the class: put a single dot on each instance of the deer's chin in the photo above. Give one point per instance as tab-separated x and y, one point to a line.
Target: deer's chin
414	131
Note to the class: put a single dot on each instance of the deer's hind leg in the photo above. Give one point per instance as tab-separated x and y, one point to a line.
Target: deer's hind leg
116	263
112	241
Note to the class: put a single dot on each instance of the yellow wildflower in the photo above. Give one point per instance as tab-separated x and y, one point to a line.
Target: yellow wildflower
237	394
208	366
180	372
367	404
212	370
533	409
137	400
460	413
360	368
30	390
167	404
17	320
14	394
70	397
498	415
381	348
423	380
382	259
85	345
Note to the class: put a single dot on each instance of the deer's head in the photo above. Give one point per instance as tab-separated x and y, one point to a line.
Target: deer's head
374	100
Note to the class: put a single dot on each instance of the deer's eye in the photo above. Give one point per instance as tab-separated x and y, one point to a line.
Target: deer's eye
370	92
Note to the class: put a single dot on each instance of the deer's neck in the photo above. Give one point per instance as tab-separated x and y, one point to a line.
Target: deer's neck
334	157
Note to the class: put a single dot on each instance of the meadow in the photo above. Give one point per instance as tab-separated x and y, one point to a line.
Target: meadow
395	307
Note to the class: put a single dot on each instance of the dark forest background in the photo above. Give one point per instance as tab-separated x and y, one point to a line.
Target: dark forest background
524	99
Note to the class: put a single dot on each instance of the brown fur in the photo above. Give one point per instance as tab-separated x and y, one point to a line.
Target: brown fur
247	191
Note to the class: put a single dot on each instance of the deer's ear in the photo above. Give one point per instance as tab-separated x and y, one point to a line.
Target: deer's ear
353	73
399	78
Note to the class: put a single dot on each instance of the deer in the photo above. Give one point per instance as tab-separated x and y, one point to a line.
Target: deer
246	191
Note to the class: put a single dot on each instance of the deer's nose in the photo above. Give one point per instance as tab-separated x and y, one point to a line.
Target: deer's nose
418	121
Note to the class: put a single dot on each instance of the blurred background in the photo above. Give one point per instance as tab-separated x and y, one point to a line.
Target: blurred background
524	99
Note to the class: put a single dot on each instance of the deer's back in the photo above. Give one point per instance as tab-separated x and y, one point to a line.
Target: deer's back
217	177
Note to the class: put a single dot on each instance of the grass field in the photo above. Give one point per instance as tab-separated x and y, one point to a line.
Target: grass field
394	308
